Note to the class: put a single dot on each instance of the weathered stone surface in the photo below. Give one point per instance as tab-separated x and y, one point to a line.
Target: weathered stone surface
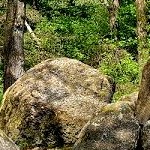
6	143
115	128
50	104
143	102
145	136
38	148
131	98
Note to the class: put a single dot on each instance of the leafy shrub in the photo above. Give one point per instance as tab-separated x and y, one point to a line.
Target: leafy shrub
127	27
124	89
119	64
71	31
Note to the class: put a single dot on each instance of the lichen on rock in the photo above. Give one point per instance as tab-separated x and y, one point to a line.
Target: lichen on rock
145	136
114	128
6	143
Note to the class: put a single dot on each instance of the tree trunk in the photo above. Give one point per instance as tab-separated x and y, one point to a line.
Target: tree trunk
13	45
34	3
113	12
143	102
143	52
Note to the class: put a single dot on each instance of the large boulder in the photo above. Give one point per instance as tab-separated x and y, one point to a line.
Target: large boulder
50	103
115	128
6	143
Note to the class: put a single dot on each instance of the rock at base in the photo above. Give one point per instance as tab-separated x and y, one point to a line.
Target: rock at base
145	139
131	98
115	128
6	143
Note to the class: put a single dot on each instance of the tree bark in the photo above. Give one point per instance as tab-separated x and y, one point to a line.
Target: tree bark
113	12
143	101
34	3
143	52
13	45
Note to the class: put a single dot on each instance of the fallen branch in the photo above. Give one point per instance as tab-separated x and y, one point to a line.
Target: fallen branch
32	34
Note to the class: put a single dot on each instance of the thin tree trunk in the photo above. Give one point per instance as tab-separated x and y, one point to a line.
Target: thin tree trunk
143	52
143	102
34	4
13	45
113	12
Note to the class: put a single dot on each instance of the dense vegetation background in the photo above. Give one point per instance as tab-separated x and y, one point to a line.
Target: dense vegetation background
80	29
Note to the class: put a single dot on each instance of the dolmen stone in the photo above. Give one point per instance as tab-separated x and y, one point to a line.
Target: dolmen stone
50	104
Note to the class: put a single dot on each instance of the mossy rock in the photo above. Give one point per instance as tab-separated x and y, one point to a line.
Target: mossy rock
50	103
145	136
114	128
131	98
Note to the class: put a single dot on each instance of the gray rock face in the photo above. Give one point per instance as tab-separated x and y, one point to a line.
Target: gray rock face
115	128
131	98
6	143
51	103
145	139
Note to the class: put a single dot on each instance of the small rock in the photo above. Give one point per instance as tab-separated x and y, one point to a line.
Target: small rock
6	143
131	98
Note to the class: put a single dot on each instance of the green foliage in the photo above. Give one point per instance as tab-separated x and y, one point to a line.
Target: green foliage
124	89
2	18
119	64
69	30
127	27
33	53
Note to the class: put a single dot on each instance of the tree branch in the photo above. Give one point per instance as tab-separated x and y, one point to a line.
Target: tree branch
32	34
